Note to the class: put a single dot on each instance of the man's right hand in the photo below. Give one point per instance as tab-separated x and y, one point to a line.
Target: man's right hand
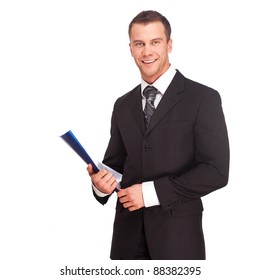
104	181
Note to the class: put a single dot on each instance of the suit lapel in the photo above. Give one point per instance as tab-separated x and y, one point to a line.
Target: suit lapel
136	108
170	98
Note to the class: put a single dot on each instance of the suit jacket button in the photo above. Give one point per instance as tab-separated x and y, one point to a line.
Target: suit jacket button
146	148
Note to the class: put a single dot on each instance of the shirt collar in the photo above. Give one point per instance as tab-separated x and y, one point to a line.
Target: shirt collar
162	82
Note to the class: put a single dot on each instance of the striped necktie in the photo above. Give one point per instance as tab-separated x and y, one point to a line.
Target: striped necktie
149	94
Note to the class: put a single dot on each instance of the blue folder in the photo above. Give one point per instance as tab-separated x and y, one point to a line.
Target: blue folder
73	142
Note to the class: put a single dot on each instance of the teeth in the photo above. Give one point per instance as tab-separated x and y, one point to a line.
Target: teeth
148	61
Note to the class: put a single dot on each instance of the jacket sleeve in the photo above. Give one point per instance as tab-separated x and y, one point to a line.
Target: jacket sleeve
211	154
115	153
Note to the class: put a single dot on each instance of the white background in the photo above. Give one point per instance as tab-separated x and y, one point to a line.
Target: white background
62	66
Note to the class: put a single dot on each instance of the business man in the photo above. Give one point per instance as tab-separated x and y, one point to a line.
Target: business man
169	140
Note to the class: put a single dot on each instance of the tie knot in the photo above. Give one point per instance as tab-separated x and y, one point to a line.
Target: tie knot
150	93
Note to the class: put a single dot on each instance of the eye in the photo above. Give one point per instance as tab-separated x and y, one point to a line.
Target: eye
157	42
139	44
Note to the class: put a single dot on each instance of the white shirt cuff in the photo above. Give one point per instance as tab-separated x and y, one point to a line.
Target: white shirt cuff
149	194
98	192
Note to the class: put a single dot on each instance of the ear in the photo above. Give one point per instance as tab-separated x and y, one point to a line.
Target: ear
131	49
169	45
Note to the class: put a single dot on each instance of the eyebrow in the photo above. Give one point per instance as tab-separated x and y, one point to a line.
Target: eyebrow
155	39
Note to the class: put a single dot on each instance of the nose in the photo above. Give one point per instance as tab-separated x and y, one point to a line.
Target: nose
147	50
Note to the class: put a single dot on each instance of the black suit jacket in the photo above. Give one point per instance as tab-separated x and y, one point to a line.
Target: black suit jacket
184	151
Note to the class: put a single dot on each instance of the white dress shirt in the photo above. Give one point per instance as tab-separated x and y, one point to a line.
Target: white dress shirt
149	193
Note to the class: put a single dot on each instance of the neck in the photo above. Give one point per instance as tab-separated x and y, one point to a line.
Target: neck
151	80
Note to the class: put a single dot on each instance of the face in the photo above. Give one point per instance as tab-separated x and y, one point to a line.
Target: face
150	49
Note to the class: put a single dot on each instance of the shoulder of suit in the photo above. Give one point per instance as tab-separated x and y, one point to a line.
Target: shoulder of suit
196	86
130	94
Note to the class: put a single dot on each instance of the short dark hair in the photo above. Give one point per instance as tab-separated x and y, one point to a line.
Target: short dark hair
149	16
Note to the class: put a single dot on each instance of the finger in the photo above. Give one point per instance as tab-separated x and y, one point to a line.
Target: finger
115	185
123	199
90	170
132	208
112	180
127	204
121	193
105	181
112	187
109	178
97	177
102	173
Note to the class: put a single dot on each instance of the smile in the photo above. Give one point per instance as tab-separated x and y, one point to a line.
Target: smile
149	61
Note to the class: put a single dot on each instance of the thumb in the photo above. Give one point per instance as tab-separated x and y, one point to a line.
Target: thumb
90	170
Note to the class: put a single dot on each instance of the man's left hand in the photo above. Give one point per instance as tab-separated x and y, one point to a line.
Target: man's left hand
132	197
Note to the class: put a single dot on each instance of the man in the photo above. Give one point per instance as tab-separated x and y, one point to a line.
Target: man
170	143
